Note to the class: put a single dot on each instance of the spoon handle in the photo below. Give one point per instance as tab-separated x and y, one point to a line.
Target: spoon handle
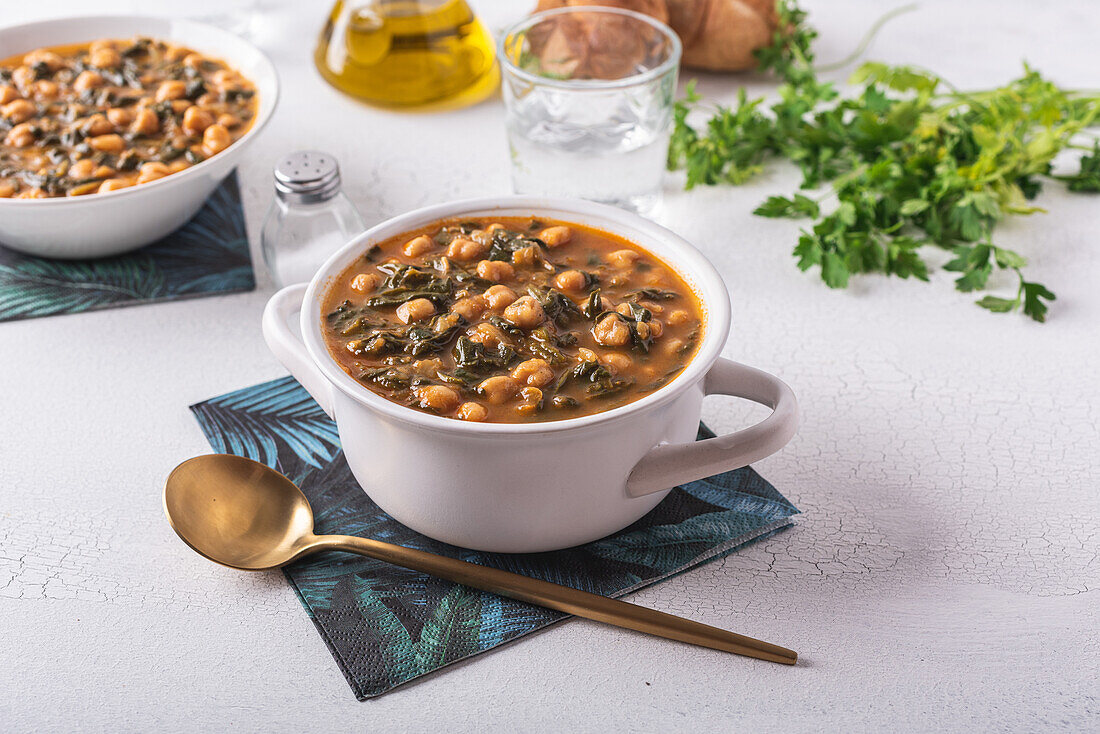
561	598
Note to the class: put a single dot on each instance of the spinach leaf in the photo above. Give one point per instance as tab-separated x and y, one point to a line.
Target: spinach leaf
407	282
474	357
556	305
543	344
652	294
600	381
506	242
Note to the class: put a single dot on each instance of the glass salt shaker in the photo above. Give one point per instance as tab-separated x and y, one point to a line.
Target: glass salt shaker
309	219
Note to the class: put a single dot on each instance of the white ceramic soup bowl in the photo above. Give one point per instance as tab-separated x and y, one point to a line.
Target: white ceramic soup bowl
535	486
98	225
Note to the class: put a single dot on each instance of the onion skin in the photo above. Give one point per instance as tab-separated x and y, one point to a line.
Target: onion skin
718	35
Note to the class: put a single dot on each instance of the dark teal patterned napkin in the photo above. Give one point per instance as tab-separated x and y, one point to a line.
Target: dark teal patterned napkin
207	256
387	625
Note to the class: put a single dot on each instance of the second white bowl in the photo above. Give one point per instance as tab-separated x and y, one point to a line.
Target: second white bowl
98	225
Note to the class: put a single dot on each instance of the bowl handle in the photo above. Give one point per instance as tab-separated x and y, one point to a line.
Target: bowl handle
672	464
288	347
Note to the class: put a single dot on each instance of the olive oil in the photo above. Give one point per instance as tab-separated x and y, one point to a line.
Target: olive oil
407	52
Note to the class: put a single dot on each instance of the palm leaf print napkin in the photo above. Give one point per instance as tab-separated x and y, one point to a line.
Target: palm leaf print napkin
387	625
207	256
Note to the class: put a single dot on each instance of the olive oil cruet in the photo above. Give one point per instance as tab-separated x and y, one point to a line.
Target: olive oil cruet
407	53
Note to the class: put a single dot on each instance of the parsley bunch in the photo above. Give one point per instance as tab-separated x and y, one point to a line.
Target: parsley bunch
905	162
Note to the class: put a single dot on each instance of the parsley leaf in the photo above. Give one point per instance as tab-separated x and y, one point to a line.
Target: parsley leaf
909	162
780	206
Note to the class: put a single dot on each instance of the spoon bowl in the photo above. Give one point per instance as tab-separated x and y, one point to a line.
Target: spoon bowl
245	515
238	512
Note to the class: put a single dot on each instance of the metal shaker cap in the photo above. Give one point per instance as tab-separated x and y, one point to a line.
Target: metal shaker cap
307	176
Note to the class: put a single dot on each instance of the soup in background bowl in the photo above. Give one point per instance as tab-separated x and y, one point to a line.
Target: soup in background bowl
101	116
131	187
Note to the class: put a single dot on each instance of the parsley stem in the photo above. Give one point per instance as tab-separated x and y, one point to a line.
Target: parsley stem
869	36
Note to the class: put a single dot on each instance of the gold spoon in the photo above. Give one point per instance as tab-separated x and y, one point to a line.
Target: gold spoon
242	514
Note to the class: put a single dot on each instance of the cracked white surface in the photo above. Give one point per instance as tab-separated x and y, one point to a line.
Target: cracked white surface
943	576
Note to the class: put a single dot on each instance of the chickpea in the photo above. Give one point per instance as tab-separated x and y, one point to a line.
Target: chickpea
532	396
653	307
88	80
418	246
171	89
439	398
469	308
19	111
570	280
195	120
556	236
107	143
229	121
364	282
618	362
673	346
82	169
34	193
486	335
428	367
624	309
52	61
587	355
446	321
178	165
495	270
179	106
656	328
534	372
36	161
224	78
525	312
7	188
97	125
23	76
45	90
526	255
152	172
8	94
215	139
498	389
679	316
145	123
473	412
623	258
499	296
466	250
112	185
175	53
611	331
120	117
100	44
104	57
415	310
20	136
644	329
480	235
103	172
494	227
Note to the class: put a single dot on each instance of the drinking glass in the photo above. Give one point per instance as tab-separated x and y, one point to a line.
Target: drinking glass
588	95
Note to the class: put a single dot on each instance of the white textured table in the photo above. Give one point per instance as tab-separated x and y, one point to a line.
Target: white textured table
944	575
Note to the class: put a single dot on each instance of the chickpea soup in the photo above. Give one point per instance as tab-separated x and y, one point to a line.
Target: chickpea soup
96	117
511	320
